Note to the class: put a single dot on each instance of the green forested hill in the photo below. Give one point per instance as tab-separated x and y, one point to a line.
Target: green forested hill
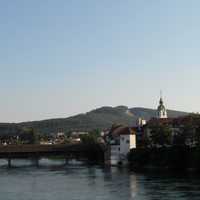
100	118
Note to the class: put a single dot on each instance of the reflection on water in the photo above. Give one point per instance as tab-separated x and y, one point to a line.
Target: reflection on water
53	180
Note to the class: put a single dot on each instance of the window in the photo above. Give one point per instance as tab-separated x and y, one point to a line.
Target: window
119	148
127	141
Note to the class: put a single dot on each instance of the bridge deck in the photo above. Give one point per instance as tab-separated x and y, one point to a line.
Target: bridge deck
21	151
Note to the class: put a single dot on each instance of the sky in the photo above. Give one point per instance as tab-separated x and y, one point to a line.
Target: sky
64	57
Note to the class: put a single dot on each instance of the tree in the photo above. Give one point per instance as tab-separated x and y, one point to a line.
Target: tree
29	136
91	137
197	135
189	129
179	139
161	135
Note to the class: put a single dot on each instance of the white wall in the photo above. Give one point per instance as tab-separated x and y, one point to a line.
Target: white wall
133	144
127	142
115	154
119	152
124	144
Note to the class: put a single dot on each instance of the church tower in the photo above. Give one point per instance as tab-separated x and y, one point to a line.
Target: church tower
161	110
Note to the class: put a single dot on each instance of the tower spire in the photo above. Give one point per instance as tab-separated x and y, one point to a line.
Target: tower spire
161	98
160	94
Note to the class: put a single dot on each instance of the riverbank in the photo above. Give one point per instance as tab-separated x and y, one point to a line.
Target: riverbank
177	158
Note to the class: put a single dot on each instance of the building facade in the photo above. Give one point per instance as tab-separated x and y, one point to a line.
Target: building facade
120	141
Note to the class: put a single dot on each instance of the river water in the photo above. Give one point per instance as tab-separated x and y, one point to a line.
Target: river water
53	180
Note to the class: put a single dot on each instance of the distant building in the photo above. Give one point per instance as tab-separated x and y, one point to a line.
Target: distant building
75	136
46	142
78	133
141	122
60	134
75	140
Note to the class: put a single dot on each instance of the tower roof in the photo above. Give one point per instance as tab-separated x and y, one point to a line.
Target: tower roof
161	101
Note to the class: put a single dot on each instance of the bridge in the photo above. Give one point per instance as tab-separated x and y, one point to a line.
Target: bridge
36	151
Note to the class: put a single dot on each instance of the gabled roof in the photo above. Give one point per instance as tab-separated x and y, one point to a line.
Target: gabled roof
121	130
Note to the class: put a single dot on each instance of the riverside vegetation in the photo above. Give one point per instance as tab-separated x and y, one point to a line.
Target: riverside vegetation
165	149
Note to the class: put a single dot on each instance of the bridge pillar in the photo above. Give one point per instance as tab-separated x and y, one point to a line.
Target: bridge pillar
9	163
35	161
66	161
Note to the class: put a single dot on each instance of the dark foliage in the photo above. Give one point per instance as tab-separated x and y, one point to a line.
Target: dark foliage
171	158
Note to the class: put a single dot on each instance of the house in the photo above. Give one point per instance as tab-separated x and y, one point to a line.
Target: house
60	134
120	141
75	136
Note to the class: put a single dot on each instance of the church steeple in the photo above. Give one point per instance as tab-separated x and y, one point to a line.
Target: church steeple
161	100
161	110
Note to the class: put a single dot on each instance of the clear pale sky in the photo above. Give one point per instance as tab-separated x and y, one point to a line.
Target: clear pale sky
63	57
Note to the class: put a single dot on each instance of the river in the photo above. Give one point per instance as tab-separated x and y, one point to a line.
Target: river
53	180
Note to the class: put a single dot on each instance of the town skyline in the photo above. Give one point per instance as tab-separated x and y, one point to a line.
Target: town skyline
99	99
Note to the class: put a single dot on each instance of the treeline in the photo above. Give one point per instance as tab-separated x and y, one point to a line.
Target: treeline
92	137
183	131
169	144
23	136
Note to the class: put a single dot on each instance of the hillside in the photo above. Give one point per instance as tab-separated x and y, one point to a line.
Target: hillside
147	113
100	118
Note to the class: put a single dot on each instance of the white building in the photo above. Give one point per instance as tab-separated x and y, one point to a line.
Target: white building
78	133
141	122
121	140
60	134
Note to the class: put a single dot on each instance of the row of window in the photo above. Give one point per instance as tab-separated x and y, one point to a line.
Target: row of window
127	141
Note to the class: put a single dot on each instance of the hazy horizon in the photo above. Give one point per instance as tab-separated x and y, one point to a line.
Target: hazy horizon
61	58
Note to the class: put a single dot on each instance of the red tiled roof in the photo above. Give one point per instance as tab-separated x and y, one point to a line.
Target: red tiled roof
174	121
155	121
121	130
